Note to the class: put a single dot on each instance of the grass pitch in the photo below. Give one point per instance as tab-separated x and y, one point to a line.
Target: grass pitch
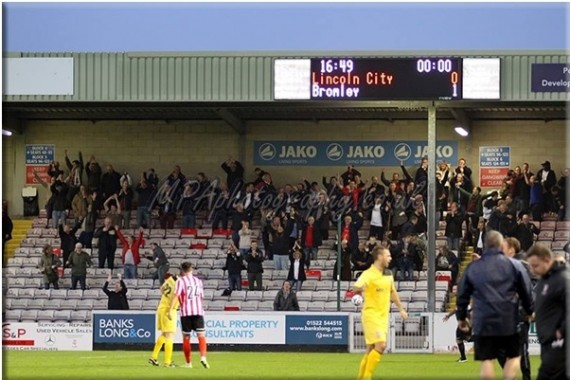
124	365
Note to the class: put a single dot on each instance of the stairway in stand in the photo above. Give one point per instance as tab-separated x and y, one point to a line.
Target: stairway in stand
21	227
467	258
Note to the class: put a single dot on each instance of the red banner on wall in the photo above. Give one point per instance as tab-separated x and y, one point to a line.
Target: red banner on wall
493	177
42	171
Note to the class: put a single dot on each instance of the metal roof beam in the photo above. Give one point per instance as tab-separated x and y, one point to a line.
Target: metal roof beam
232	120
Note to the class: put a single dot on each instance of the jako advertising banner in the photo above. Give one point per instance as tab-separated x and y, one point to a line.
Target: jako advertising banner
341	153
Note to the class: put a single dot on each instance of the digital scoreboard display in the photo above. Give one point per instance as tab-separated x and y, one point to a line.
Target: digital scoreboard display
385	79
421	78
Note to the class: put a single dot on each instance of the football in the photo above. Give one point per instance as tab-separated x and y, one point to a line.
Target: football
357	300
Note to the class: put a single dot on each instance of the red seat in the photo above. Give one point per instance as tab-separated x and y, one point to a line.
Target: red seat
231	308
188	232
313	273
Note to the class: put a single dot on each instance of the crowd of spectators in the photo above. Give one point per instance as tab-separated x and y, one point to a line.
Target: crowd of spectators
296	218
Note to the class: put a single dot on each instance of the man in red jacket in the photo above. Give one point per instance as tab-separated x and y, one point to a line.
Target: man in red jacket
130	256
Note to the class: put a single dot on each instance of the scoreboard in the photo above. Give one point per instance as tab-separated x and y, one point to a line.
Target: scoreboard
421	78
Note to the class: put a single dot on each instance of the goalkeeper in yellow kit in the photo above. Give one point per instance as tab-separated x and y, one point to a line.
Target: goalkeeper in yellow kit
166	325
376	285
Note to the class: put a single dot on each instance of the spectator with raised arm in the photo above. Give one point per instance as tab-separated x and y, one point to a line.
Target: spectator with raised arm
110	182
75	178
80	203
144	202
107	235
254	261
234	171
117	296
125	201
131	252
93	171
112	208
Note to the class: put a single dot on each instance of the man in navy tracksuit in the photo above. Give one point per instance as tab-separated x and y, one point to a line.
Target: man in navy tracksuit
551	311
496	283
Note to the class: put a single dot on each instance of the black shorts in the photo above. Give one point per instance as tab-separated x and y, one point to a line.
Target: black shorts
192	322
462	335
491	347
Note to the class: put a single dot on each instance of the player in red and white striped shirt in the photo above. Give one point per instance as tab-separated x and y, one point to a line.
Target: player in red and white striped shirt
190	292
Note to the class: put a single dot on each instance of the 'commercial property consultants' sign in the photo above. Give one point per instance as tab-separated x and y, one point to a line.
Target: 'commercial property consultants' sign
550	77
341	153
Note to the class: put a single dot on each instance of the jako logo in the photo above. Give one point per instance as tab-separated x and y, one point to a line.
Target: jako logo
402	151
121	328
267	151
335	152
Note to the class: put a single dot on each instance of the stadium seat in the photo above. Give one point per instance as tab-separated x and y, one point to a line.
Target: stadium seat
75	294
68	304
405	295
141	294
265	305
217	305
136	304
19	303
269	295
254	295
562	235
79	316
548	225
238	295
268	265
12	292
546	235
16	282
52	304
273	284
85	304
406	285
216	274
324	285
440	295
302	295
417	306
279	275
249	305
101	304
27	293
31	315
218	263
40	315
320	295
210	284
42	293
33	282
58	293
61	316
421	285
12	315
420	295
316	306
154	294
211	253
147	305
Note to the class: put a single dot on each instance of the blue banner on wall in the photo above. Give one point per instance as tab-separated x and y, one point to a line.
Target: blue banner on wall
40	154
494	156
550	77
341	153
316	329
123	328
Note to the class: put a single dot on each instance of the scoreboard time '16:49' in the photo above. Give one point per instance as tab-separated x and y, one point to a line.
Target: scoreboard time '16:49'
376	79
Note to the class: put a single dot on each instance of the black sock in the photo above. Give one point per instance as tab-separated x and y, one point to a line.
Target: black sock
461	347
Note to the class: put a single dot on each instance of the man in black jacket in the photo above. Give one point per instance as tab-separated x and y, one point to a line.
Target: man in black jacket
525	232
117	296
254	260
107	243
496	283
550	311
68	239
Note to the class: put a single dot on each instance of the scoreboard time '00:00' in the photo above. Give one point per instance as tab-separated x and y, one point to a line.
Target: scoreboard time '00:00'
377	79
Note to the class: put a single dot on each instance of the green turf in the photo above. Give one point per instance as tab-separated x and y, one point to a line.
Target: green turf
233	365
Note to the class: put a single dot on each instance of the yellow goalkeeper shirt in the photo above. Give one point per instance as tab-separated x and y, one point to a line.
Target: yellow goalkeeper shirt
378	288
167	289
